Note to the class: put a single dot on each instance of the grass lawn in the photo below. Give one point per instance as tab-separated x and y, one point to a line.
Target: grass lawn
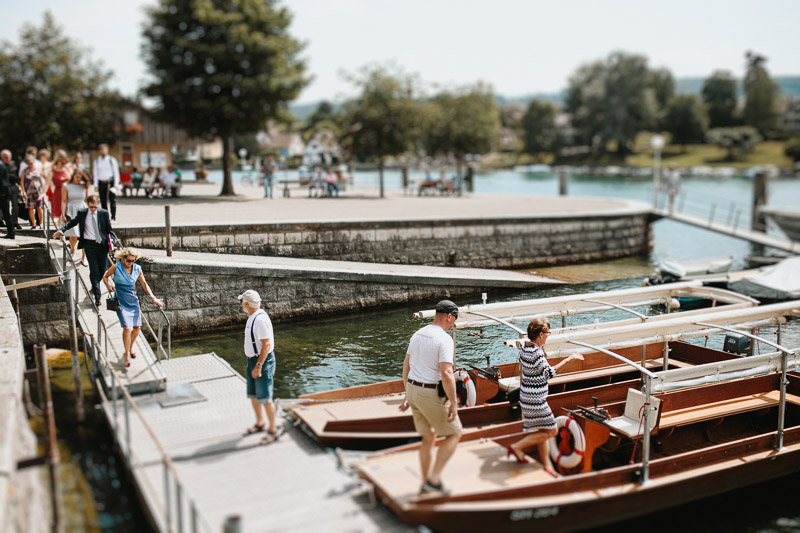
766	153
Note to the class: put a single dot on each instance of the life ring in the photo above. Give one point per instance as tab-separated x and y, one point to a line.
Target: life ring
569	452
466	381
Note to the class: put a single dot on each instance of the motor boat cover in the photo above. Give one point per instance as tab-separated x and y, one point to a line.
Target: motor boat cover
778	282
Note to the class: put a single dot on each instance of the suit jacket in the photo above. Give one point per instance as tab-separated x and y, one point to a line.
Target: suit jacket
5	181
103	224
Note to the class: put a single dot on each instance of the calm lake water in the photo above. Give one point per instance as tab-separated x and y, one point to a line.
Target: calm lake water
355	349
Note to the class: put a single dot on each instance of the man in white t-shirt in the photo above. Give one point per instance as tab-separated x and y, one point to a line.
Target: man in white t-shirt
259	348
430	360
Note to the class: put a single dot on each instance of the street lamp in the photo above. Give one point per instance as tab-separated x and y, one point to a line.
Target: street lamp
657	142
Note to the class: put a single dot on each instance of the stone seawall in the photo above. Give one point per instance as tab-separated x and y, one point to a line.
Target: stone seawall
24	504
200	295
507	243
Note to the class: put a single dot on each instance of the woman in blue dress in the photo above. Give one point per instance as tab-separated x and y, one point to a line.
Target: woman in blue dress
126	273
537	416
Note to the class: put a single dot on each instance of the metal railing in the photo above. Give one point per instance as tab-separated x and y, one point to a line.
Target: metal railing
67	259
170	511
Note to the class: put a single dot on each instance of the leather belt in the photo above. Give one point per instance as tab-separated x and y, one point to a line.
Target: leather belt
423	385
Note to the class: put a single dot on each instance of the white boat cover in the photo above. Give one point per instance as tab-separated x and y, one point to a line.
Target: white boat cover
778	282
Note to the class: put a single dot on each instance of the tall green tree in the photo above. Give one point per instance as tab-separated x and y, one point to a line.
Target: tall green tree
385	119
719	96
52	93
686	120
760	109
539	127
222	68
612	100
663	85
466	121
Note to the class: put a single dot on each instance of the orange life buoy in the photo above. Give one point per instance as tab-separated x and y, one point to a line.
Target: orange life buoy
569	452
466	381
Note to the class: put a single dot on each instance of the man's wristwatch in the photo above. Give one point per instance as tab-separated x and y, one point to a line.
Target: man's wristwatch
259	363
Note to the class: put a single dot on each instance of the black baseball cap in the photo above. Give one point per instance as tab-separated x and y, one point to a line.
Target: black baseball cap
446	306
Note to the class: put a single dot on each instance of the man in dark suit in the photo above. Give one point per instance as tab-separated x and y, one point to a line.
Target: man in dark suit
6	180
94	227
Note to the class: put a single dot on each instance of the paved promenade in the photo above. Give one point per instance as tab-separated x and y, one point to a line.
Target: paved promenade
200	203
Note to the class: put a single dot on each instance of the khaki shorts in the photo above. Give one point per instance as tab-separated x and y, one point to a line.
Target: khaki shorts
430	412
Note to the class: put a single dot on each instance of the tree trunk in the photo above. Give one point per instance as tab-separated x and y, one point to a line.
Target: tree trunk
380	173
227	177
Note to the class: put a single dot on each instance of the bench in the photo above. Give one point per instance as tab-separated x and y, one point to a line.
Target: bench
288	185
723	408
426	186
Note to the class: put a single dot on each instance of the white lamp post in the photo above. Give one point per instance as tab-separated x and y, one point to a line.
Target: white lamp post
657	142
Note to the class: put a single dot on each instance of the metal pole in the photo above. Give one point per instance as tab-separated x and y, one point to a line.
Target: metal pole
758	222
127	427
665	355
646	435
179	505
562	182
782	405
656	175
168	224
167	506
73	341
53	457
232	524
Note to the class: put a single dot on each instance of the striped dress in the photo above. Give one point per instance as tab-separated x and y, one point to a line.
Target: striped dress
536	371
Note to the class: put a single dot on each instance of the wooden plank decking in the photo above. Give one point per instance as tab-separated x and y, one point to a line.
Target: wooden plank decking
290	485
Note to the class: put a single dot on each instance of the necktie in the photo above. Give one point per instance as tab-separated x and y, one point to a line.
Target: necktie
96	228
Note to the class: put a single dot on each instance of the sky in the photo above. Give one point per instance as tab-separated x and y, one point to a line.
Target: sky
520	47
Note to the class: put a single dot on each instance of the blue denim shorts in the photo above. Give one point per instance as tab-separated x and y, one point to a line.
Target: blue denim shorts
261	388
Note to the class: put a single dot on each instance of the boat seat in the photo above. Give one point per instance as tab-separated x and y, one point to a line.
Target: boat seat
732	406
631	422
512	383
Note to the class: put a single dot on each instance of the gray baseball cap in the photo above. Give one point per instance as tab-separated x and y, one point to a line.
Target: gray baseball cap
446	306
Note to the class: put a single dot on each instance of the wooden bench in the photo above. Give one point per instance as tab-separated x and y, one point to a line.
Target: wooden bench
426	186
723	408
288	185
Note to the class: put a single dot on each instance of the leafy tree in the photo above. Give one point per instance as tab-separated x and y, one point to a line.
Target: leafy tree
734	140
465	121
760	105
719	95
538	124
663	85
222	68
52	93
385	120
686	120
612	100
792	149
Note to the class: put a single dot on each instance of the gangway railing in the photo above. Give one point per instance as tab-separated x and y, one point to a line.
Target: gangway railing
177	498
62	268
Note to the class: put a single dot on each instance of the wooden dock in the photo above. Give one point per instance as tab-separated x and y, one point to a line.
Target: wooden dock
726	229
289	485
179	427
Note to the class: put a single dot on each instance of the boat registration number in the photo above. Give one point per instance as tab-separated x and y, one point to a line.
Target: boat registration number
527	514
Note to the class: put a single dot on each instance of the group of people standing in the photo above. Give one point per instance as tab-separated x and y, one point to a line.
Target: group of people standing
63	184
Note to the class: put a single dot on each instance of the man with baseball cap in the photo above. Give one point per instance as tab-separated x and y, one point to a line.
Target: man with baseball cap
259	347
428	362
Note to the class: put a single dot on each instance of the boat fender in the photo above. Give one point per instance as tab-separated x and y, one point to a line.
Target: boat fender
564	455
472	396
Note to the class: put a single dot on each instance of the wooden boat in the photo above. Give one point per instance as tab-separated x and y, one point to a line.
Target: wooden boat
715	427
362	421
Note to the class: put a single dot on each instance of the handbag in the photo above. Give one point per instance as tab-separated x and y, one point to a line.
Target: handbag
112	303
112	241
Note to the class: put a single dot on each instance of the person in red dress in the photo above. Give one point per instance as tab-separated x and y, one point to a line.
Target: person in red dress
62	172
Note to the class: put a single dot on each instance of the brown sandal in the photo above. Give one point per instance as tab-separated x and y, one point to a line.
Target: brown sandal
270	437
256	428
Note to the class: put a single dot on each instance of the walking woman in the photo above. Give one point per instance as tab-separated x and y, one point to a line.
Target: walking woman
537	417
62	171
32	185
126	273
73	198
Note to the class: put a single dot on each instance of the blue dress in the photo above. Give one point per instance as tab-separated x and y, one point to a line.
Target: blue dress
536	371
129	313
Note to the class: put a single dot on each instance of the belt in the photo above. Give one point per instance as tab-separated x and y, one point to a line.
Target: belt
423	385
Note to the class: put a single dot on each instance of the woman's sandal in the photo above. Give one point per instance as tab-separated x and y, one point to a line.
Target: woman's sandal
270	437
256	428
133	355
519	459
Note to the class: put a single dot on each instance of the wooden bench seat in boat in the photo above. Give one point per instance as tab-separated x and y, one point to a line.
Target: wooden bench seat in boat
512	383
720	409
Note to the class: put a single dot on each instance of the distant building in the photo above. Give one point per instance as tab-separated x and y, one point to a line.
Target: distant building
790	115
144	142
322	148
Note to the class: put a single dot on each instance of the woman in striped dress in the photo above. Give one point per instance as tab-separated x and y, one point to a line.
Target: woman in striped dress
537	417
